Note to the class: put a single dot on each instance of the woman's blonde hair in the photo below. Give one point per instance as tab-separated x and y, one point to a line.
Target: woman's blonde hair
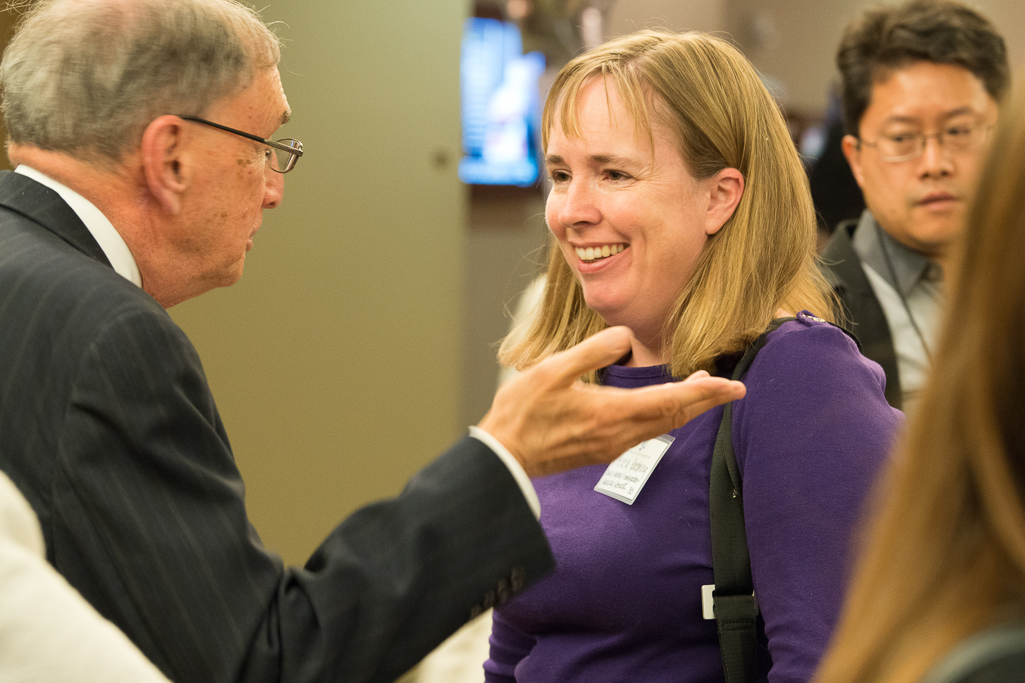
945	557
762	260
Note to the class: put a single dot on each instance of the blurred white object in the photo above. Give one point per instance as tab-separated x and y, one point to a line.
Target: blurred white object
592	27
526	307
48	632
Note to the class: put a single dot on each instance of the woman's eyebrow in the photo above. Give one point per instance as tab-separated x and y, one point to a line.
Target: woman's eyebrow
555	159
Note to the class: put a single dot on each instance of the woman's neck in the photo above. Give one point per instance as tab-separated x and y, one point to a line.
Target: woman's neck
643	355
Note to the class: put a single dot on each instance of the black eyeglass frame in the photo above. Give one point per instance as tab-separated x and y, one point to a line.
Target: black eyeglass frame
296	152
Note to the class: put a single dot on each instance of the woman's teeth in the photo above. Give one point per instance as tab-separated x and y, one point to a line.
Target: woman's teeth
596	253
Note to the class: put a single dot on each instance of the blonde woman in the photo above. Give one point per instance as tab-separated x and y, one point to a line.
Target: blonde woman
945	558
680	209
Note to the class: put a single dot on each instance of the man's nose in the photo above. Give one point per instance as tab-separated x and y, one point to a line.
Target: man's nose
274	189
936	159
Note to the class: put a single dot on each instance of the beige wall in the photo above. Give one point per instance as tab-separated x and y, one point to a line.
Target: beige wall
801	38
626	16
791	40
335	361
7	22
505	251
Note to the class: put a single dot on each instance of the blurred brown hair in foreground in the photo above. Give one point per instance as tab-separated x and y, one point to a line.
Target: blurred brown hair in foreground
945	557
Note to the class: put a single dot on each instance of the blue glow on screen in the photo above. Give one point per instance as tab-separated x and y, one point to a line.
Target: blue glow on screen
500	105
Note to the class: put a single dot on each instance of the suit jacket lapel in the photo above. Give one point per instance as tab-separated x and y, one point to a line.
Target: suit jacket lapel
44	206
846	275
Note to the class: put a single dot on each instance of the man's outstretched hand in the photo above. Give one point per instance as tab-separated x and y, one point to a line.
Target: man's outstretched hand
550	421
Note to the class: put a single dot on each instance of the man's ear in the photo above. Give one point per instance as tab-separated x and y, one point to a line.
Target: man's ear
165	163
852	150
725	191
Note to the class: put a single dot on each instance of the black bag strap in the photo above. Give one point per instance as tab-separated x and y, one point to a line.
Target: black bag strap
733	598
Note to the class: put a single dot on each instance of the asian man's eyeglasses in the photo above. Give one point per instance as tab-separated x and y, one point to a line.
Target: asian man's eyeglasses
907	145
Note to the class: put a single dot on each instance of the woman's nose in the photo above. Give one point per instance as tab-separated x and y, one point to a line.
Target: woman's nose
579	206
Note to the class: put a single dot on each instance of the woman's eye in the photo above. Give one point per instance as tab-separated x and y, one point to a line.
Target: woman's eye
558	176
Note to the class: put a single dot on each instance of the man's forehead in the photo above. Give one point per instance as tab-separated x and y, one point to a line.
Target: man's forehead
945	115
286	114
926	89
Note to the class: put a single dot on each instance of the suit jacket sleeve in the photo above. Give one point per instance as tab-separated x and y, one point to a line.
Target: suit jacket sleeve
149	523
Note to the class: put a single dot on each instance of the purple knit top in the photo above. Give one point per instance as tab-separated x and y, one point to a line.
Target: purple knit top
624	603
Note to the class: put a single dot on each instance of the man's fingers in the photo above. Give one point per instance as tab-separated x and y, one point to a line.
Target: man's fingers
695	395
550	422
629	416
695	409
595	352
668	406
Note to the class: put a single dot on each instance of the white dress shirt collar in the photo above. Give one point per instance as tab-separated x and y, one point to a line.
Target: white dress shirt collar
102	230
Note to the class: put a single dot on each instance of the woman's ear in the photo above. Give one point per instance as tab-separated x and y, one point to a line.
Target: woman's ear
725	191
165	163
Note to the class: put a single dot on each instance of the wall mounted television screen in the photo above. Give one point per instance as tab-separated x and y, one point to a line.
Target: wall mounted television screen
501	108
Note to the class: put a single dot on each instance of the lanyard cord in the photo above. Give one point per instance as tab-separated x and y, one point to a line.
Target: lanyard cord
900	293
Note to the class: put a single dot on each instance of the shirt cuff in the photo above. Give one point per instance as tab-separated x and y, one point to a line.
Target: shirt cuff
515	468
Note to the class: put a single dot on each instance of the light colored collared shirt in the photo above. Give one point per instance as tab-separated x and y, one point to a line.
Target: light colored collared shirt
898	276
102	230
120	257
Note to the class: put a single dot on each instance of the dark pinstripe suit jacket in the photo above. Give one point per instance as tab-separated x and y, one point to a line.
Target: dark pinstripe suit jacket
108	427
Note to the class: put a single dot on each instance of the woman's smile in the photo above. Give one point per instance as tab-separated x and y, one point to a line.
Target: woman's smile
592	254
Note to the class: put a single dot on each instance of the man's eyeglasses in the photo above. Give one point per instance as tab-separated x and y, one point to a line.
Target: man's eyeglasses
287	150
907	146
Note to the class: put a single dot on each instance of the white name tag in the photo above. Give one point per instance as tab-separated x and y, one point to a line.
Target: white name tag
625	477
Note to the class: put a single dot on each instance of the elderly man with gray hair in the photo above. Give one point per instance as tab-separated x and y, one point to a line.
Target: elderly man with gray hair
142	134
